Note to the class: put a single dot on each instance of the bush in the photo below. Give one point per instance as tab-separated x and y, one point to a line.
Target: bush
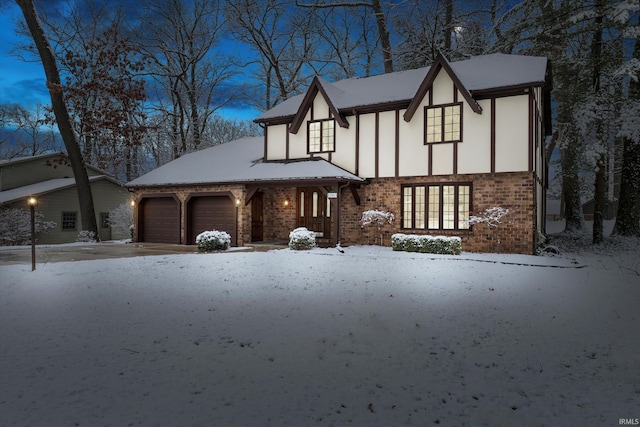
15	226
213	241
121	221
86	236
427	244
301	238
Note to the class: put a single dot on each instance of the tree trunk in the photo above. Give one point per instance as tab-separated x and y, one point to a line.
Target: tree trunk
384	36
599	195
628	218
83	186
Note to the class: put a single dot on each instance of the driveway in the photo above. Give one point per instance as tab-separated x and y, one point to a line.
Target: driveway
79	252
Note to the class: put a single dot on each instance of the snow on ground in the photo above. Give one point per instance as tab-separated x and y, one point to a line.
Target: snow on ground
368	337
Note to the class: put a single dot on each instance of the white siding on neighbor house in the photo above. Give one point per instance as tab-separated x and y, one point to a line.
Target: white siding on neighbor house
277	142
387	144
344	155
367	150
298	141
474	152
512	134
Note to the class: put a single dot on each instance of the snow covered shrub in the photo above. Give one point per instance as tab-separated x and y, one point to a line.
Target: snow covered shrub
121	221
427	244
377	218
213	240
86	236
15	226
301	238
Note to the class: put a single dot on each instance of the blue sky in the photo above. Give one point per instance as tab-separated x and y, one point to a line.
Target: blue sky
23	82
20	82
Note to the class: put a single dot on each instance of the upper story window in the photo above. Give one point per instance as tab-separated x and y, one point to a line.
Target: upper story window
322	136
443	123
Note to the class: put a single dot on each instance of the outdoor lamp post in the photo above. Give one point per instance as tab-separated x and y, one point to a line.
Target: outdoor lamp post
32	206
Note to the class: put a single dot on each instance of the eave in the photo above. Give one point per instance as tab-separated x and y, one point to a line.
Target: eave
439	64
315	88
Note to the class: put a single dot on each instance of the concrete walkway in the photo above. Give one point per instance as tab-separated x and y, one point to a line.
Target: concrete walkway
78	252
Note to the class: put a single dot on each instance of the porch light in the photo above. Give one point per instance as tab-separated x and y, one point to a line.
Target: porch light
286	202
133	203
237	202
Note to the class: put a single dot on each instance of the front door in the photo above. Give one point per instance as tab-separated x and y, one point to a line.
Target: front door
314	212
257	224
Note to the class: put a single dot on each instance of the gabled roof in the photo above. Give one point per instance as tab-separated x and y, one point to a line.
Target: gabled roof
59	154
239	161
478	74
328	92
44	187
439	64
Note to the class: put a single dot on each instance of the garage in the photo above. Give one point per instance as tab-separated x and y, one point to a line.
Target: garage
206	213
160	218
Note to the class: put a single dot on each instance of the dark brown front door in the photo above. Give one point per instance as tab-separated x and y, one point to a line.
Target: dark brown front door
206	213
257	223
314	211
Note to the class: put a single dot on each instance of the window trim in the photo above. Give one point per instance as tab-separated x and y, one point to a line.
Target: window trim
322	148
75	221
442	117
456	203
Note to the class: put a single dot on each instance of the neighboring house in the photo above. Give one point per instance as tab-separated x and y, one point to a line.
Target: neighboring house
433	146
50	179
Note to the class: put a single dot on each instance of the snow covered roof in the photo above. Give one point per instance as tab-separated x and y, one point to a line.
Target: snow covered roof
58	154
238	161
44	187
479	73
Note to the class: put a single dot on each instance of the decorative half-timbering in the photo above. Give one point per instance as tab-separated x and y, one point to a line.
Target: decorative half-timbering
434	146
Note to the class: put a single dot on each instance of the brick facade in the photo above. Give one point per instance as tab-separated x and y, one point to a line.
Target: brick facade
514	191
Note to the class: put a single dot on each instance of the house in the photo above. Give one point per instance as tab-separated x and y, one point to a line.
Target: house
433	146
49	178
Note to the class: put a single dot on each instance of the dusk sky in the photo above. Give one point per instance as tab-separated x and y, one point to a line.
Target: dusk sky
23	82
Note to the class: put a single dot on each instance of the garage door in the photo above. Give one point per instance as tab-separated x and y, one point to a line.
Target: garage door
211	213
160	220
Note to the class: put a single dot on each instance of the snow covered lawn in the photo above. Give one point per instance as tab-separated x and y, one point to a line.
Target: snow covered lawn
370	337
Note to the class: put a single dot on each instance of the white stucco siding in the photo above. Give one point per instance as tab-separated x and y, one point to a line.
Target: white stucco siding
414	155
367	146
512	134
387	144
298	141
442	89
442	159
474	152
277	142
345	154
320	108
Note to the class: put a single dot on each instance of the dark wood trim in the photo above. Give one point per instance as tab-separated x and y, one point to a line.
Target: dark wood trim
266	135
493	135
356	196
381	107
430	171
442	127
455	158
307	103
357	167
251	191
531	130
309	139
397	144
286	155
439	64
505	91
377	145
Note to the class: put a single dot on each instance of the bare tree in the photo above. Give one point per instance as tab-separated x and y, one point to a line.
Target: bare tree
26	132
180	39
50	66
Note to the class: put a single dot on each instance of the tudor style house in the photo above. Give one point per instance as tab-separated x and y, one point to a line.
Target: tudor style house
433	146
